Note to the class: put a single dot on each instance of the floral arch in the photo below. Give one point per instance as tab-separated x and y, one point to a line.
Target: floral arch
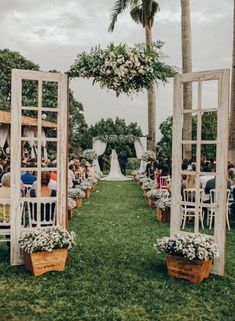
100	143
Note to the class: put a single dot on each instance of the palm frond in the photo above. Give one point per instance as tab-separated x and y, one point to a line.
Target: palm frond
136	14
119	7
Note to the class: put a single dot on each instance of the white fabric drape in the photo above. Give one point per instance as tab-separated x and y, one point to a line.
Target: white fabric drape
4	132
30	133
99	147
45	156
140	147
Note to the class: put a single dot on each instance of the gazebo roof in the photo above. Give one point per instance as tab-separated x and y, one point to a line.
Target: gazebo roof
5	118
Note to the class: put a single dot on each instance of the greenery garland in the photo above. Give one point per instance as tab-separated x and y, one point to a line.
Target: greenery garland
118	139
122	68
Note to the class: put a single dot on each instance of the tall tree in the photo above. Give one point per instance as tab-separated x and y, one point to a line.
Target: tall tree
186	67
231	149
142	12
77	125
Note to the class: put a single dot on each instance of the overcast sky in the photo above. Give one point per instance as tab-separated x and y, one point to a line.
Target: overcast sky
52	32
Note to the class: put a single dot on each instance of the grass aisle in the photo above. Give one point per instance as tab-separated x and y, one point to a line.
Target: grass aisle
114	273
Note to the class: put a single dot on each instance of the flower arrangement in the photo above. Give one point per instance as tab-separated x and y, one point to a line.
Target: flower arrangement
85	185
89	154
118	139
47	239
147	185
140	176
155	194
144	180
121	68
164	202
71	203
148	155
92	180
190	246
98	175
76	193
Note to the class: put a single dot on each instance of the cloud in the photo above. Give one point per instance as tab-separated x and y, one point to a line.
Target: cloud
51	33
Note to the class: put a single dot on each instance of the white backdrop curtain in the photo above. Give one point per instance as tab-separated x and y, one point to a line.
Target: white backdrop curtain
4	133
30	133
99	147
140	147
44	144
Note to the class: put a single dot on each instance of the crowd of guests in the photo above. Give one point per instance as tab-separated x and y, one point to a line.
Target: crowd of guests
78	170
155	169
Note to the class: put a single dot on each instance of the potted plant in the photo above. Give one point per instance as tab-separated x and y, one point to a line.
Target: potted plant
89	155
71	204
153	195
86	187
93	181
147	186
148	155
163	206
45	249
77	194
189	256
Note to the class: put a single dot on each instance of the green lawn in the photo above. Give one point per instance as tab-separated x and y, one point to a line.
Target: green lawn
114	274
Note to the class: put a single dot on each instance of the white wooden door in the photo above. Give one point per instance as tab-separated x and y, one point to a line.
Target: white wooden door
210	100
43	96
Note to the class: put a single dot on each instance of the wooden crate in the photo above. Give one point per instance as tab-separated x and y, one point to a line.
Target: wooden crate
194	271
87	193
163	216
151	203
42	262
79	202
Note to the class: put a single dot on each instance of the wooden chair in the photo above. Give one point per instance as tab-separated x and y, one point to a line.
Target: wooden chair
5	226
211	209
43	216
189	210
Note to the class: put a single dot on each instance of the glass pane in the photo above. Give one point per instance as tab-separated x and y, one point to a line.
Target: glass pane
208	155
209	126
49	124
189	153
49	152
49	94
210	94
189	128
190	89
29	93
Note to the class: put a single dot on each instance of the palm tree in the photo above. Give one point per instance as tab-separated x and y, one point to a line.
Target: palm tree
187	67
231	149
142	12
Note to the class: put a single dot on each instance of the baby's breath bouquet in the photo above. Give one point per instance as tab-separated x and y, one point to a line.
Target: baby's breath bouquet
71	203
144	180
85	185
147	185
92	180
89	154
148	155
155	194
122	68
47	239
140	176
190	246
164	202
76	193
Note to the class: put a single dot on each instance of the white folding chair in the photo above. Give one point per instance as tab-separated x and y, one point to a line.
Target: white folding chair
211	209
42	213
5	225
189	207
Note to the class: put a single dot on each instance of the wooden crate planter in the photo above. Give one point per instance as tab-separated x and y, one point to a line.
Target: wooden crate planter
93	188
87	193
39	263
194	271
151	203
79	202
163	216
70	214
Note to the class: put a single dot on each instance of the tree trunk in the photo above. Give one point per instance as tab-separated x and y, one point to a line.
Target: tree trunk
151	145
231	149
187	67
